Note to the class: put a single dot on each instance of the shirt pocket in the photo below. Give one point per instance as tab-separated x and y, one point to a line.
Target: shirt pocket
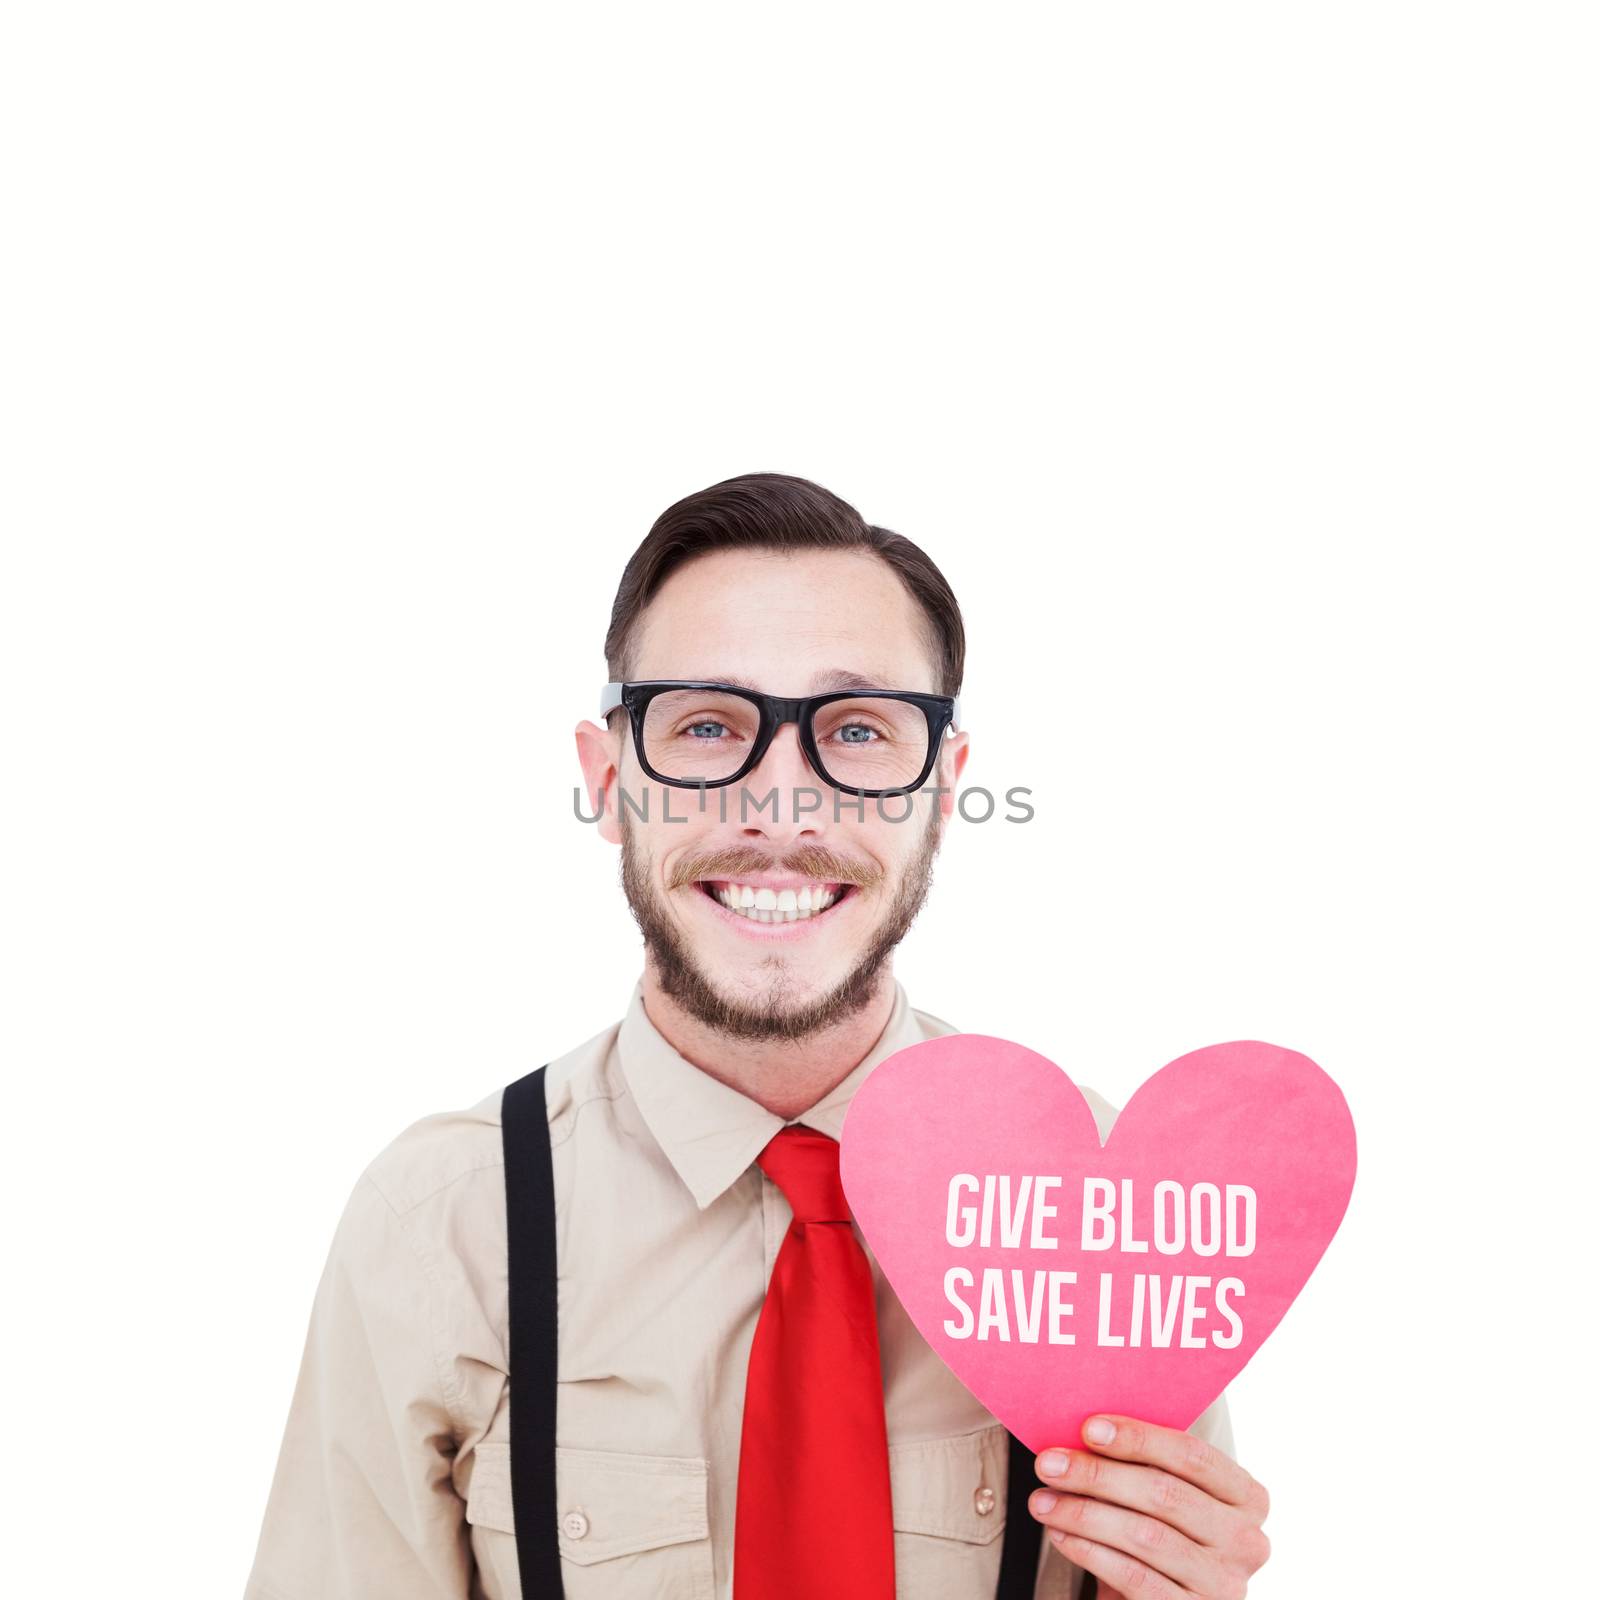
949	1498
626	1524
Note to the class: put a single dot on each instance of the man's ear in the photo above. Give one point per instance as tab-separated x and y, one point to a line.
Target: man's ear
951	761
600	756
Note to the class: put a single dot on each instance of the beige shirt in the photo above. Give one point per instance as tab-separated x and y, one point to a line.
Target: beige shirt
394	1483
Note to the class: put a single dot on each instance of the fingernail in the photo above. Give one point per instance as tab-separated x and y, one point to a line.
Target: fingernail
1099	1431
1057	1535
1043	1501
1053	1463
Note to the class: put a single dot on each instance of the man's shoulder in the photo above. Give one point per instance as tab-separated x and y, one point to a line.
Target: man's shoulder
1105	1114
436	1152
446	1148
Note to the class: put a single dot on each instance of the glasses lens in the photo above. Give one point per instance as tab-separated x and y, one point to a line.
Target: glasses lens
699	734
871	743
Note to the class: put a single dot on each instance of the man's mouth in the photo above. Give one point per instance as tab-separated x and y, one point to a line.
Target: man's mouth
762	903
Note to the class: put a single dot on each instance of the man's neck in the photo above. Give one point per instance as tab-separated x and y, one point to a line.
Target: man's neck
787	1076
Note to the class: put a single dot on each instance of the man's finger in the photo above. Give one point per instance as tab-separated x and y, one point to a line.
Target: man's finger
1129	1575
1157	1545
1174	1500
1182	1454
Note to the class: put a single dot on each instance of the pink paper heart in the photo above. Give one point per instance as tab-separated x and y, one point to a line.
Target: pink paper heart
1241	1117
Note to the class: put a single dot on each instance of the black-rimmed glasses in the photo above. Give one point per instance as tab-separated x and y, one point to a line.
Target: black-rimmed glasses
701	735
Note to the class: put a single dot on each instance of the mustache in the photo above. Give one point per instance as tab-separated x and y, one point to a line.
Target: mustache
814	861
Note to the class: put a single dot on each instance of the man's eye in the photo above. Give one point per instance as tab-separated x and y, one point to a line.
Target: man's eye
706	730
856	733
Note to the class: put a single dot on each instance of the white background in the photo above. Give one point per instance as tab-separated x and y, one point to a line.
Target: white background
1238	366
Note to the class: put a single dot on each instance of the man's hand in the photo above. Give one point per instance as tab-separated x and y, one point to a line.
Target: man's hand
1153	1512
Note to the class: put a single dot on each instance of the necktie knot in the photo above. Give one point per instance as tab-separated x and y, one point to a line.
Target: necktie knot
805	1165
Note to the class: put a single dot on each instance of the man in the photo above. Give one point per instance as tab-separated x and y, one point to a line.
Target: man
745	1408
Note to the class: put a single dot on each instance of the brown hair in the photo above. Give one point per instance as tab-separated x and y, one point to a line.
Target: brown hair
769	510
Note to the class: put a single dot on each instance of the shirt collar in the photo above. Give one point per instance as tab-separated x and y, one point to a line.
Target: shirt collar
712	1133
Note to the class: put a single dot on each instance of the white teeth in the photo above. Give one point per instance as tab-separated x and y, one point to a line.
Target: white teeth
775	905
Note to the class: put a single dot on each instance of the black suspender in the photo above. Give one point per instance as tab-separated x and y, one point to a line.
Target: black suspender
1019	1552
531	1307
531	1300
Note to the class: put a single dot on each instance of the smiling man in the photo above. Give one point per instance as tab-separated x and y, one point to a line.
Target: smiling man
647	1240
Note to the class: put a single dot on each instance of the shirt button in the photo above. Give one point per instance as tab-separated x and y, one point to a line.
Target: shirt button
574	1524
983	1502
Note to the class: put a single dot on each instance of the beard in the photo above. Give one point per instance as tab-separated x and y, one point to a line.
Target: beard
776	1015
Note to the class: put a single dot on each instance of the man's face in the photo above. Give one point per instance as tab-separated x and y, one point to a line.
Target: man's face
788	624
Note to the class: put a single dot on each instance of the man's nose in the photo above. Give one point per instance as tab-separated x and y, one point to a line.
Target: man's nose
786	797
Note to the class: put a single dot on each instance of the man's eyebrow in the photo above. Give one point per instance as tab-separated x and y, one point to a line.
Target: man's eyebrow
821	683
838	678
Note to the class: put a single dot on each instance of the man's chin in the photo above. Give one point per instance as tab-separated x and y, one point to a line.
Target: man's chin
773	1002
763	984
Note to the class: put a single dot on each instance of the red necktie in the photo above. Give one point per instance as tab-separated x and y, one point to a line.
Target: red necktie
813	1519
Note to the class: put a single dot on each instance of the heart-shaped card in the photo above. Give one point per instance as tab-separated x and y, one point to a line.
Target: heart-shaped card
1058	1278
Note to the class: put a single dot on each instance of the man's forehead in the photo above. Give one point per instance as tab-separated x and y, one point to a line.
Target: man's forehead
746	618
